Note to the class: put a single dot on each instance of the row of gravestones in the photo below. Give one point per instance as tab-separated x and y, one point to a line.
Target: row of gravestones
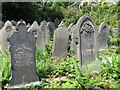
85	40
42	33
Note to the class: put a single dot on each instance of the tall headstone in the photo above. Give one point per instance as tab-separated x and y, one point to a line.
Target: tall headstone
38	34
87	41
46	32
23	63
6	32
60	43
103	36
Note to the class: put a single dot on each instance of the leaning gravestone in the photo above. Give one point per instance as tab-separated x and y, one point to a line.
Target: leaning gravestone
60	43
6	32
103	36
23	63
87	45
38	34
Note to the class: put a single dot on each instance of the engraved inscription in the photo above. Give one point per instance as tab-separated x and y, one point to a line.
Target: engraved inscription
23	55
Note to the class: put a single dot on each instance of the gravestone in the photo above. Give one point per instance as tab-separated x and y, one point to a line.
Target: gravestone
38	34
103	36
51	27
56	22
46	32
60	42
6	32
87	41
23	63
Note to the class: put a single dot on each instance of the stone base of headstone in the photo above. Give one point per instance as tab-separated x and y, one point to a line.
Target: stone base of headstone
37	83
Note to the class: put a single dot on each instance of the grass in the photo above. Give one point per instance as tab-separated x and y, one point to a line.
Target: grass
65	72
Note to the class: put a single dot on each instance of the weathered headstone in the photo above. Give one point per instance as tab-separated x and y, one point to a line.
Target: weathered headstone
87	41
35	29
103	36
46	31
51	27
6	32
23	63
60	43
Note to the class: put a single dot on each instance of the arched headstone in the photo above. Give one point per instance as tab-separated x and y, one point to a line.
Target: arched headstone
6	32
87	40
38	34
103	36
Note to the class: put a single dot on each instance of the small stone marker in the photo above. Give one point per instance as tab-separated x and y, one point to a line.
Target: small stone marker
87	45
38	34
6	32
103	36
60	43
51	27
23	63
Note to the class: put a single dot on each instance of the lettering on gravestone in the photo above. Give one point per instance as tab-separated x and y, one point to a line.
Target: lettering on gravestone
22	48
